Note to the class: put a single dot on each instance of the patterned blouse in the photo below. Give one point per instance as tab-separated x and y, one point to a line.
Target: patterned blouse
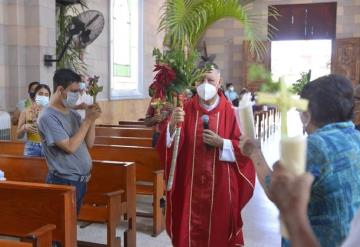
333	157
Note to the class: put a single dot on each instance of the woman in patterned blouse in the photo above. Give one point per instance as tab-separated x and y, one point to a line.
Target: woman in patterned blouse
333	158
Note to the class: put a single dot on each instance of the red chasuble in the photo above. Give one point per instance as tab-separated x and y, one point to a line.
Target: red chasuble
204	206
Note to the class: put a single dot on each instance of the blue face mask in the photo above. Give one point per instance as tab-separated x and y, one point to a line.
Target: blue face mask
42	100
82	85
71	100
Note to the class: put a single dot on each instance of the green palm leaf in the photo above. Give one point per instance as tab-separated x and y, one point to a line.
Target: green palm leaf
186	21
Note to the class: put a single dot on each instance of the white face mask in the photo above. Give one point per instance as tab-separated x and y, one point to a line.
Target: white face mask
206	91
82	85
42	100
71	100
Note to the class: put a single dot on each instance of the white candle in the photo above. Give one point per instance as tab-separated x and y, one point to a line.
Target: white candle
293	154
246	119
293	158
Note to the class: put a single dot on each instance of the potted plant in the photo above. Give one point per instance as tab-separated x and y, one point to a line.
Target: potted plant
73	56
300	83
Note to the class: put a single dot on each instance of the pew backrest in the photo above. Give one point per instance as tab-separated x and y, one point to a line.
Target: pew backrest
25	207
125	132
125	141
146	158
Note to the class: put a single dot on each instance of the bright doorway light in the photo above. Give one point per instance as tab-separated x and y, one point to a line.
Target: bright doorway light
291	58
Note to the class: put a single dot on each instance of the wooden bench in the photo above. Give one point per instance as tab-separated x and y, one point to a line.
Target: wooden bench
126	141
138	123
8	243
149	174
31	211
110	195
37	238
124	132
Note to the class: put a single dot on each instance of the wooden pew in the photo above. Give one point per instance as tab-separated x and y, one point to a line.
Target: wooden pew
149	174
39	237
126	141
110	195
8	243
37	208
126	126
112	184
138	123
125	132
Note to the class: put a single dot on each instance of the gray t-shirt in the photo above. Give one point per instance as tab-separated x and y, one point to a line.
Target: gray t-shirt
56	126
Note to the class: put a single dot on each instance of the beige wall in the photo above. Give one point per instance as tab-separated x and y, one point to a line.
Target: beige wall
225	37
27	32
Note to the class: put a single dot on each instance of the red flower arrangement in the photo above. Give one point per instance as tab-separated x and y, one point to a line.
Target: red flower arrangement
163	78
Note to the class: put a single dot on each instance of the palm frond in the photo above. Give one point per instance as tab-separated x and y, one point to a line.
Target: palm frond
186	21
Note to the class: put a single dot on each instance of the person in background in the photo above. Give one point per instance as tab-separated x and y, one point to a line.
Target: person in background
291	195
27	121
243	92
84	99
333	158
230	93
65	138
23	104
158	121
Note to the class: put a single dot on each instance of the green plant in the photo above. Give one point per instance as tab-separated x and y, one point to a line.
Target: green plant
259	72
186	21
72	56
183	64
300	83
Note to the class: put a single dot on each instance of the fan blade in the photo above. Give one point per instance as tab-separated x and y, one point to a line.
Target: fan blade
92	20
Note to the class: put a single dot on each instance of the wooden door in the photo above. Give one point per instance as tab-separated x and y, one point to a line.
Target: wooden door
250	58
346	59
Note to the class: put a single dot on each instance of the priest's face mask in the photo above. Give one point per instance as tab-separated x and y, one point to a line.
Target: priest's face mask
209	86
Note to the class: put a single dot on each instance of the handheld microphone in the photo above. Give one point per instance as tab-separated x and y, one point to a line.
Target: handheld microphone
205	120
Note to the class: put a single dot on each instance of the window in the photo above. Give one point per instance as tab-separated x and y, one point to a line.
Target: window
304	21
126	79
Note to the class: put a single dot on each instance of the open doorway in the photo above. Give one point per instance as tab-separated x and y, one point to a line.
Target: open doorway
290	58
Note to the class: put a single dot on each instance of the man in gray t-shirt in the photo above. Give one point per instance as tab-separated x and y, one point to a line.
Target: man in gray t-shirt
65	138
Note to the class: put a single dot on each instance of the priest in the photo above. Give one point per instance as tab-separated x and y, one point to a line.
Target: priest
213	181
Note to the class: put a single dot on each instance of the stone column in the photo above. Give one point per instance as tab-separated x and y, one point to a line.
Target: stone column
27	32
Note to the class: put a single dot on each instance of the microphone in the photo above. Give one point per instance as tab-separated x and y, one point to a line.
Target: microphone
205	120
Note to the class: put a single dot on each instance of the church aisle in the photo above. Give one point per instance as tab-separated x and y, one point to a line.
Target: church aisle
261	227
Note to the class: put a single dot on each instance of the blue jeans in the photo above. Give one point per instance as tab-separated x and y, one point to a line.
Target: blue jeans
80	187
285	242
33	149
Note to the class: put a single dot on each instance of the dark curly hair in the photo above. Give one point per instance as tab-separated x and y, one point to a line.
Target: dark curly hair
330	99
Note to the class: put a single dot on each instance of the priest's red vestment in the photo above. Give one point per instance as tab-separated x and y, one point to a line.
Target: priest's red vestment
204	206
